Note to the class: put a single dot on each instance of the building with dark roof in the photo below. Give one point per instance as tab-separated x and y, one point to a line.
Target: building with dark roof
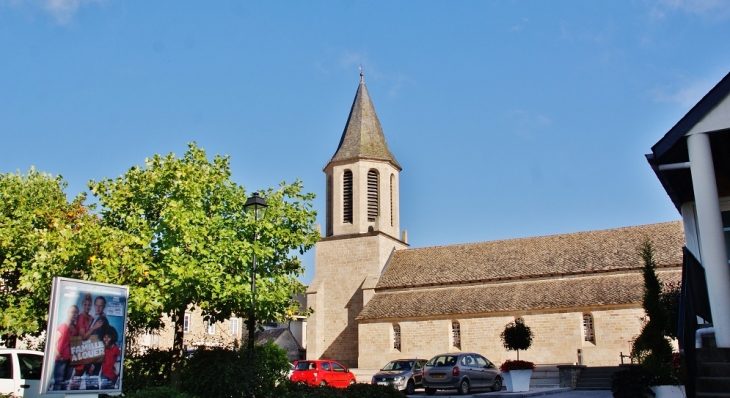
692	161
375	299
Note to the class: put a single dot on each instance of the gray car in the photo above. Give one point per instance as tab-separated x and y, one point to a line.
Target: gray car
461	372
402	374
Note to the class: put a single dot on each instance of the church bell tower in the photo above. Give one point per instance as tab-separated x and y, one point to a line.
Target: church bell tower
362	229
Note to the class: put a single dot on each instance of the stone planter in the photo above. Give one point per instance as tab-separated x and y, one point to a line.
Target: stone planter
517	380
669	391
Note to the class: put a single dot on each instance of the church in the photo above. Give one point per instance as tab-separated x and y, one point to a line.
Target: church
375	299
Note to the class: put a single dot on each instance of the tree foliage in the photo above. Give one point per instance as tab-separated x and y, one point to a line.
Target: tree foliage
173	230
652	348
198	241
43	236
516	336
38	240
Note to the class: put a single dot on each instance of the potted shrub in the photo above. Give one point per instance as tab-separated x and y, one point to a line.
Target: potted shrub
517	336
652	348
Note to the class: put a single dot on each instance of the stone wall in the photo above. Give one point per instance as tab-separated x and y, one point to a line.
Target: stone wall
197	334
336	294
557	337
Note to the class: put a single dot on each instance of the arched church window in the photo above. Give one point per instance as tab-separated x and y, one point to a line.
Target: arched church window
392	181
347	197
589	333
396	337
456	334
372	195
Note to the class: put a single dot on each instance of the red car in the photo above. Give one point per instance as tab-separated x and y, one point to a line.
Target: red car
322	373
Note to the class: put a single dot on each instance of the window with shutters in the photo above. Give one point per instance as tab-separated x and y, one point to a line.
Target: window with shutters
589	333
372	195
211	327
186	323
456	334
234	326
347	197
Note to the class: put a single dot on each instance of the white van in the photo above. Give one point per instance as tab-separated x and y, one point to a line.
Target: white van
20	372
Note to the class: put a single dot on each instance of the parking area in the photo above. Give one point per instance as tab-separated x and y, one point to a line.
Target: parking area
548	392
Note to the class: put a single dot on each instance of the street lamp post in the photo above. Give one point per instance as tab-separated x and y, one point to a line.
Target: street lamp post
257	205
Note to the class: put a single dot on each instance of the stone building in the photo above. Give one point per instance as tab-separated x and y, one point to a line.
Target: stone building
374	299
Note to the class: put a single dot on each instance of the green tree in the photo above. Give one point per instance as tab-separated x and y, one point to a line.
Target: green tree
652	348
43	236
198	241
516	336
34	213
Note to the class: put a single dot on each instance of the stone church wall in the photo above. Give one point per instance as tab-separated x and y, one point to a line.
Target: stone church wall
344	265
557	337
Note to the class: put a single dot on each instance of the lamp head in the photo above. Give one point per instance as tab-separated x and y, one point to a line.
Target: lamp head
256	204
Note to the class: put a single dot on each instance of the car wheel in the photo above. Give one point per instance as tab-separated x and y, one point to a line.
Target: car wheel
464	387
497	385
322	383
352	382
430	391
410	387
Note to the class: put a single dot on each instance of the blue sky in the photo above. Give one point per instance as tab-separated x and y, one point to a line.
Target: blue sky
510	118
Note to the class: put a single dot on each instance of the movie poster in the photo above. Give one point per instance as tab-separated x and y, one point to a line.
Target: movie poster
85	337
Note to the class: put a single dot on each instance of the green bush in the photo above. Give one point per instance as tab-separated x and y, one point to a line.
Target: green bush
631	383
300	390
652	348
516	336
158	392
231	374
147	370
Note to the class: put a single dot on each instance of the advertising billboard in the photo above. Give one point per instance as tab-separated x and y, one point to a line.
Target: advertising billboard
85	338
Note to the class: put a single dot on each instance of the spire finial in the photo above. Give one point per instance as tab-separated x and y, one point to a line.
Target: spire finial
361	74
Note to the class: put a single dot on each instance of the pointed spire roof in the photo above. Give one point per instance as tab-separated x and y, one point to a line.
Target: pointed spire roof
363	137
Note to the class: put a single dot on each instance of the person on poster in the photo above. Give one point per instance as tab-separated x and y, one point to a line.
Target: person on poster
62	369
112	359
83	325
98	328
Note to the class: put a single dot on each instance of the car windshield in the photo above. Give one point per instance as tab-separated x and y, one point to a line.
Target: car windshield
304	365
442	360
398	365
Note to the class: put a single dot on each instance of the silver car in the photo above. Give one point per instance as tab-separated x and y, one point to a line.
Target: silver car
402	374
461	372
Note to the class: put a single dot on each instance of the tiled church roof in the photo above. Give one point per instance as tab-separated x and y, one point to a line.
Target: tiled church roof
544	256
551	293
363	137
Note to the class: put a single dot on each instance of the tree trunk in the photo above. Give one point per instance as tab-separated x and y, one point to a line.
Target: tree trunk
10	340
251	334
177	348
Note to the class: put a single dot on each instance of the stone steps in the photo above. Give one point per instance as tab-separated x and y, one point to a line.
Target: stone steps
545	376
596	378
713	373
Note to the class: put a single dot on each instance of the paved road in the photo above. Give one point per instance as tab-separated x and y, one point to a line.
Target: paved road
546	393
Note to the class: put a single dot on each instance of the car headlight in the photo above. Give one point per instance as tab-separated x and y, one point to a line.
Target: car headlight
399	378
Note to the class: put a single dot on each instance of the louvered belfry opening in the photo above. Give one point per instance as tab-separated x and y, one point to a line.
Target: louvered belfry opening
372	195
347	197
